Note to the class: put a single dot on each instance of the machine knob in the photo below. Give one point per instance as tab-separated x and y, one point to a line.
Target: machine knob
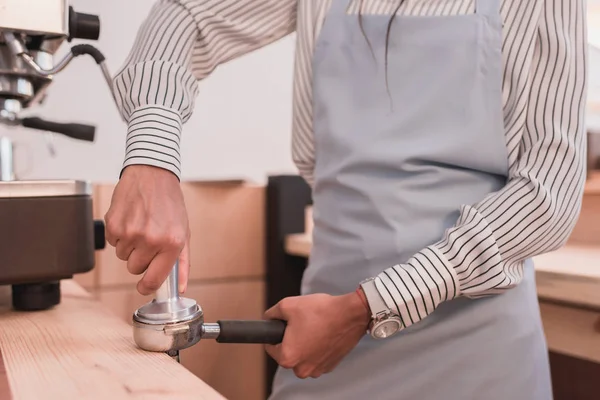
83	26
99	236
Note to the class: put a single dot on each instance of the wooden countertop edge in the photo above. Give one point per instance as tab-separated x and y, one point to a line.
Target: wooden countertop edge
81	350
572	285
592	185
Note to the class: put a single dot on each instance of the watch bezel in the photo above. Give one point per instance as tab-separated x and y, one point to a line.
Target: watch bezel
390	318
380	312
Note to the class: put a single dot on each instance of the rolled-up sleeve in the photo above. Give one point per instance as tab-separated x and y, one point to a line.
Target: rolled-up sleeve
179	43
483	253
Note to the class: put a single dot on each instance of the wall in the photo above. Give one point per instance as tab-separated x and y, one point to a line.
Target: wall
233	133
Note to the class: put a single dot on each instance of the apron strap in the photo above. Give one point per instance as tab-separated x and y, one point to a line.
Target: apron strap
339	7
487	7
483	7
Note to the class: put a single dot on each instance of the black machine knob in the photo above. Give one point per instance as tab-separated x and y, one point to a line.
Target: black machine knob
99	235
83	26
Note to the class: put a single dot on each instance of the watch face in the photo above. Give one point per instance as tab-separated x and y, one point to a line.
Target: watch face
386	329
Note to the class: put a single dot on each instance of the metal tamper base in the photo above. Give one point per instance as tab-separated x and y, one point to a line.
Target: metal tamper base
168	323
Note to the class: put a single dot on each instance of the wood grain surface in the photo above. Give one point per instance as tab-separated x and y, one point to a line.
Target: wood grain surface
79	350
4	386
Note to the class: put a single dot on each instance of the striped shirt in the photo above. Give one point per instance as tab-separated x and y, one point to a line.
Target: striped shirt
544	95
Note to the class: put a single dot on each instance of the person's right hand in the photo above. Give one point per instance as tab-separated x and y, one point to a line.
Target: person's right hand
148	225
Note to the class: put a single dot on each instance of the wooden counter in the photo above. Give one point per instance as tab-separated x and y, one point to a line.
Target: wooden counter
79	350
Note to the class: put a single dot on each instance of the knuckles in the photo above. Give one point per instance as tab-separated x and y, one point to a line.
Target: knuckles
113	227
152	237
289	359
287	305
169	240
305	372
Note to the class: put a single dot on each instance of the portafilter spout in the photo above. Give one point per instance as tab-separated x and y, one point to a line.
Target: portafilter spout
170	323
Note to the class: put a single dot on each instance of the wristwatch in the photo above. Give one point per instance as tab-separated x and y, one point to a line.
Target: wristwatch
384	322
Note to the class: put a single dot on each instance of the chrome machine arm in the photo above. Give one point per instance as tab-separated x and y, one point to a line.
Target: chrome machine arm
31	31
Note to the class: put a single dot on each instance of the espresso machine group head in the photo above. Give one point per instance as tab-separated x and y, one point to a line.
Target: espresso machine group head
47	231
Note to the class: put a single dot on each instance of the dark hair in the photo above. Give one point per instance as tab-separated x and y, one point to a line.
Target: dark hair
387	37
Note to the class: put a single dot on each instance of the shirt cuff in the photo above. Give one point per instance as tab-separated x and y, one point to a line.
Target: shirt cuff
416	288
153	138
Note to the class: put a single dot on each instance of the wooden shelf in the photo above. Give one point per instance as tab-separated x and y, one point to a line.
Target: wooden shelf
570	275
80	350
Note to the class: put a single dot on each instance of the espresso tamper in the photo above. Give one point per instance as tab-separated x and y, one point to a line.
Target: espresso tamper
170	323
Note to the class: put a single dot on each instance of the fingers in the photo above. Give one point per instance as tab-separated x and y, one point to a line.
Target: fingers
147	223
281	310
123	249
157	272
274	351
184	267
304	371
331	365
282	354
274	312
139	260
288	360
112	230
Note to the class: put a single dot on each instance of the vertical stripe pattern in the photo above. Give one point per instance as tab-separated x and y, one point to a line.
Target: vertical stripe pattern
544	92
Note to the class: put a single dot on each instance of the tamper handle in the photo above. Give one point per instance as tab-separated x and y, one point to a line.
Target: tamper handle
241	331
168	290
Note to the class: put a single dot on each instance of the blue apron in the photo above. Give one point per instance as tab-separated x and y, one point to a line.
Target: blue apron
394	164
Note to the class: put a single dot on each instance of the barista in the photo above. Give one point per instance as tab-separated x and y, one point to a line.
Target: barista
445	144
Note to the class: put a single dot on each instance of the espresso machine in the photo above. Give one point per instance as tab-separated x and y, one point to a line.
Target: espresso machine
47	230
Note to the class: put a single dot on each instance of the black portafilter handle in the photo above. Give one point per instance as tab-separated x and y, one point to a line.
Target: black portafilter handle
72	130
260	332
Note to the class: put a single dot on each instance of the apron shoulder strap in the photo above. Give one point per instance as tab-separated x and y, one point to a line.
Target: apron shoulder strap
339	7
487	7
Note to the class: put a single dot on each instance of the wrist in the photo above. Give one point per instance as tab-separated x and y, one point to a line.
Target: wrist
153	139
144	169
357	308
363	298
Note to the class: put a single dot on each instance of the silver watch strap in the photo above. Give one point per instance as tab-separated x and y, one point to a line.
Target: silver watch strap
376	302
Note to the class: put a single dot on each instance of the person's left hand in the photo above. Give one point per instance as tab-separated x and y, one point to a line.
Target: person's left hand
321	331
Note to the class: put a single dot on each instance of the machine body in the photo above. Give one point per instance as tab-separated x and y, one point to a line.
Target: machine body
47	232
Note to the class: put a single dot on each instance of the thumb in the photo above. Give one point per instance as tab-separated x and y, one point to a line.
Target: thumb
275	312
184	267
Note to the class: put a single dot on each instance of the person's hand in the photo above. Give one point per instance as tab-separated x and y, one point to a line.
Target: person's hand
148	225
321	330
